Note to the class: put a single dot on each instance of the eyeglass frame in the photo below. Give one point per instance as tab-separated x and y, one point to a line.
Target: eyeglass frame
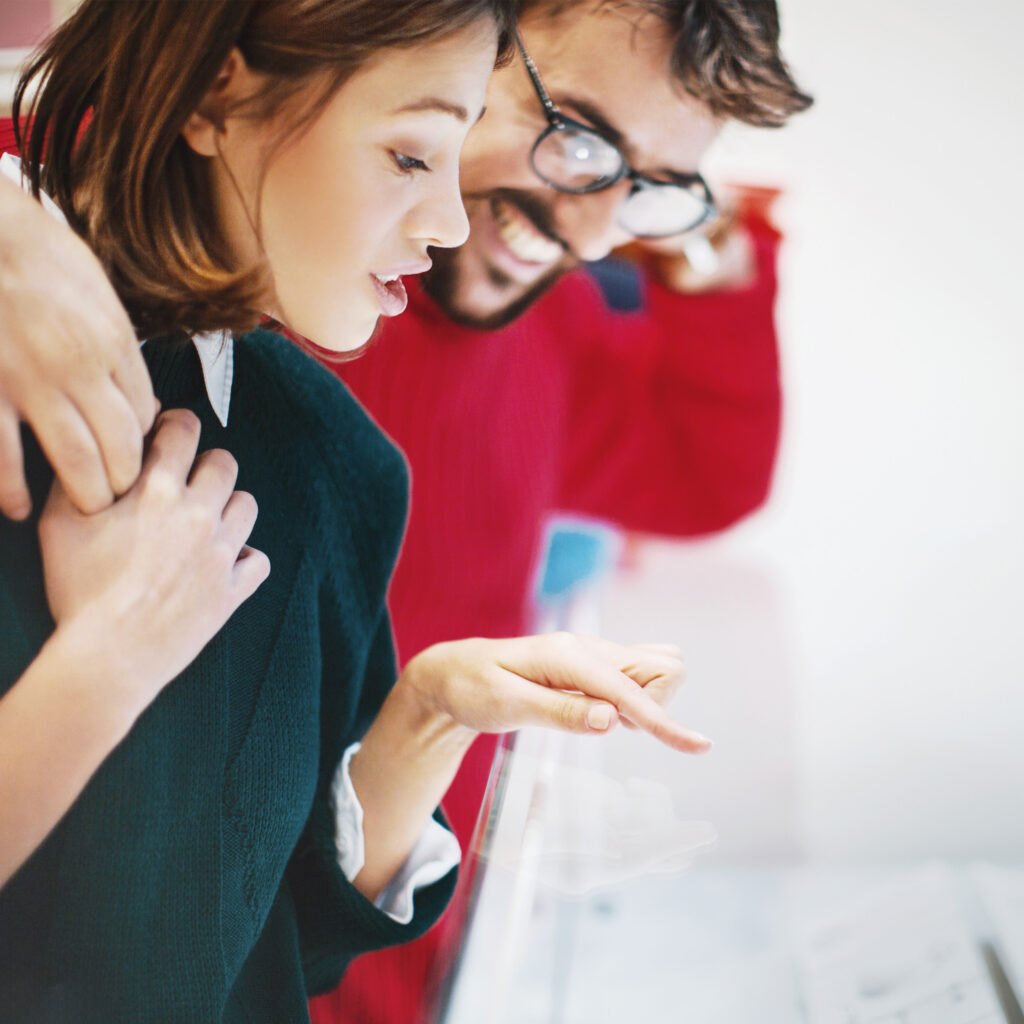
558	122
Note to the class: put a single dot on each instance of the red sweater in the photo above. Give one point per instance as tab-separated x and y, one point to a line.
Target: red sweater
663	421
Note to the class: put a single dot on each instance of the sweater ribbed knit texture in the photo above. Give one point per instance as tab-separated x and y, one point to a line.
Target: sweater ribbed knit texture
195	880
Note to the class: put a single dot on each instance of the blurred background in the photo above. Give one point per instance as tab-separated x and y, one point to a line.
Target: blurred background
23	23
855	648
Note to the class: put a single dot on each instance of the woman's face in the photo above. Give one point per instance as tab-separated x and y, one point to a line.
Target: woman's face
351	204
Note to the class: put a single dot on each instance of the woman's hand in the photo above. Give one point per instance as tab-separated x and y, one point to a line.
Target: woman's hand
159	572
137	590
69	363
451	692
577	684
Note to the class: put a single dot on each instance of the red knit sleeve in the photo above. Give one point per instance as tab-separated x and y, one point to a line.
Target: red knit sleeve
674	417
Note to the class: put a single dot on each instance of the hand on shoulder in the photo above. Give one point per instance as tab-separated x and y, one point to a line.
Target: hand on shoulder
155	576
70	364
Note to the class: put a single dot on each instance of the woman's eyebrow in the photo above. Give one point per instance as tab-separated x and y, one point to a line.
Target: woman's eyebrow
456	110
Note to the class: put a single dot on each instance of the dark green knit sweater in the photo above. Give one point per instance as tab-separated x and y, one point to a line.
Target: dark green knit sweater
195	879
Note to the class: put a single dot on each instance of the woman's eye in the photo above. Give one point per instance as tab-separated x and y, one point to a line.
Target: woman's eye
408	164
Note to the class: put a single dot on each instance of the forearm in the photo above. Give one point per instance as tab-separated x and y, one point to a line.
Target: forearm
58	723
674	421
406	763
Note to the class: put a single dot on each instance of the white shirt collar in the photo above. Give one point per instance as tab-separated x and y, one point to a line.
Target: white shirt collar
216	348
217	354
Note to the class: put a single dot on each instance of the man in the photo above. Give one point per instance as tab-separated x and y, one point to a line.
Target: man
514	396
513	390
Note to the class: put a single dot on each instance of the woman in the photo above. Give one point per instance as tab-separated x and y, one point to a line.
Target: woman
214	849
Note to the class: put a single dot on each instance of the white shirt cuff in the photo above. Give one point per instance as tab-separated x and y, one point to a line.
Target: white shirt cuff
436	851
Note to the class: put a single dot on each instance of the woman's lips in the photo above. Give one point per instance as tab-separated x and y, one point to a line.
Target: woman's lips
391	294
389	288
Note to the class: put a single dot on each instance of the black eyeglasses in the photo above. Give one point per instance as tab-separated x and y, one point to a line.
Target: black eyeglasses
573	157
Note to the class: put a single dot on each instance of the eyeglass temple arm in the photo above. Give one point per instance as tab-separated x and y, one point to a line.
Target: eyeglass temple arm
538	85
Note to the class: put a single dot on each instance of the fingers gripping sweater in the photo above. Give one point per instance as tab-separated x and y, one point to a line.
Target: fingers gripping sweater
195	879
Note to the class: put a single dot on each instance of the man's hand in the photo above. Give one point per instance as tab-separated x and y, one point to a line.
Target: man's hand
69	363
718	255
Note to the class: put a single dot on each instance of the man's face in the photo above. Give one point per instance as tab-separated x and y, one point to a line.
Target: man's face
608	68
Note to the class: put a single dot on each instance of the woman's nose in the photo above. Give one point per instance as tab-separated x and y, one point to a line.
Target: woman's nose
442	216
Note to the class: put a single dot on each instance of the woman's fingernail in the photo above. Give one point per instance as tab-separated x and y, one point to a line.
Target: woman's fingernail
599	717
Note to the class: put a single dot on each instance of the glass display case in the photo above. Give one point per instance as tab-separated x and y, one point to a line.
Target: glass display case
566	923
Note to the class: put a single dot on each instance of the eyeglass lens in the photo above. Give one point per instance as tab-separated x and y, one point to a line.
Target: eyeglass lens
652	210
577	160
580	161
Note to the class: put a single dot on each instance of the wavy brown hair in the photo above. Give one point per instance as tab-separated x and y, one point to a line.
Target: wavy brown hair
725	53
115	86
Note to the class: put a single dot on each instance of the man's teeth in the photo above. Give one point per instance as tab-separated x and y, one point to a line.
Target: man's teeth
525	241
387	278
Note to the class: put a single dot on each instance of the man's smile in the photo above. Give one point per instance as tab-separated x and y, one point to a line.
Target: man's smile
521	236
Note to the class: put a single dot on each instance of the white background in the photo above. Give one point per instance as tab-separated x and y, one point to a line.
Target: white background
855	649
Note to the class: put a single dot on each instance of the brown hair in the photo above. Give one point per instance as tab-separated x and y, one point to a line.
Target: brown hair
725	53
116	84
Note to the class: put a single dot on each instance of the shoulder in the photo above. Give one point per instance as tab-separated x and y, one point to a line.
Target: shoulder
302	411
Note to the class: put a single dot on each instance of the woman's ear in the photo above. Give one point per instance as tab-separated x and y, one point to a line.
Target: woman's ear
234	82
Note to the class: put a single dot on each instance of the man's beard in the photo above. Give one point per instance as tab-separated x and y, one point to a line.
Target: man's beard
441	282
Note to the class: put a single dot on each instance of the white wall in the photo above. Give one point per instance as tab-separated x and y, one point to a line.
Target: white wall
889	561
